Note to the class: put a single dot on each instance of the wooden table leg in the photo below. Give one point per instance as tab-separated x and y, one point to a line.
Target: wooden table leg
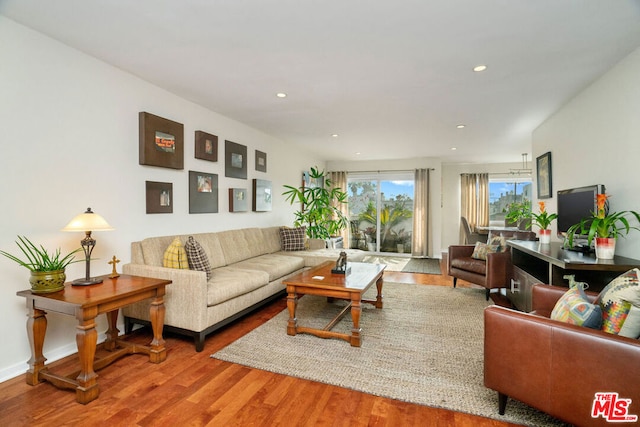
87	338
36	330
292	302
158	351
112	332
379	283
356	309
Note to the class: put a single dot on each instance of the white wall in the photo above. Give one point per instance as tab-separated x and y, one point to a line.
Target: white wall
595	139
69	138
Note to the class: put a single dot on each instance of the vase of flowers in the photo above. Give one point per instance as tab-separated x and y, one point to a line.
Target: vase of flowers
604	227
543	220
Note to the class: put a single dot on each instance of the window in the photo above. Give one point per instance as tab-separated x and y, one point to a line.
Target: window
502	192
381	211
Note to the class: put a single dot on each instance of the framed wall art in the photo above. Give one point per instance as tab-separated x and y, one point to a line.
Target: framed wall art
261	161
261	195
235	156
206	146
159	197
203	192
238	200
543	175
161	142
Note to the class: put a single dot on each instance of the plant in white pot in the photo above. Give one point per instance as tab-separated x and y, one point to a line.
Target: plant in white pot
604	227
47	269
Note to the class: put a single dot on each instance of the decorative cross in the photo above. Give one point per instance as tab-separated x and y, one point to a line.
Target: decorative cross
113	262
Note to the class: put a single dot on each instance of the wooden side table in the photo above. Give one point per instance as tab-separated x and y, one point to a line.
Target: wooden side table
85	303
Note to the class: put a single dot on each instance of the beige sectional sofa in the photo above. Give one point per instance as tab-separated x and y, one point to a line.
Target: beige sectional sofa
248	267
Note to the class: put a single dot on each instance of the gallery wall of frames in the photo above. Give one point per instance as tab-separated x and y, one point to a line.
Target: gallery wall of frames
162	144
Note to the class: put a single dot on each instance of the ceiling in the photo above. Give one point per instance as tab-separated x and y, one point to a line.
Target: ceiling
392	79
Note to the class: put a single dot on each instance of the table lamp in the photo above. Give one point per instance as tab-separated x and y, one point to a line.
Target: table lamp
87	222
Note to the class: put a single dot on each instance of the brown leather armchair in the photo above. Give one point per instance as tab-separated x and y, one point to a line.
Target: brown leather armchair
556	367
495	272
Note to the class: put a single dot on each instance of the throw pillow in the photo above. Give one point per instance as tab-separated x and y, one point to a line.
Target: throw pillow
197	257
574	308
175	256
616	301
482	249
500	242
293	239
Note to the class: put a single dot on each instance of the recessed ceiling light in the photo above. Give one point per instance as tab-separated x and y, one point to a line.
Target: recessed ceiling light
453	148
281	95
479	68
357	153
335	135
460	126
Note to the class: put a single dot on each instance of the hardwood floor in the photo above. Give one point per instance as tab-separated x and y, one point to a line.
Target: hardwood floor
192	389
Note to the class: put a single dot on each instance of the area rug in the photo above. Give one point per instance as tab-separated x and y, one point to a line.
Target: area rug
425	346
406	264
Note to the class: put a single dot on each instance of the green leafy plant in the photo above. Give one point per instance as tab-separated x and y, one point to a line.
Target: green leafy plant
38	259
543	219
320	212
603	223
518	211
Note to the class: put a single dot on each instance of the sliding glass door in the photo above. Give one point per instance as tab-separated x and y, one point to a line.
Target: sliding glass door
381	211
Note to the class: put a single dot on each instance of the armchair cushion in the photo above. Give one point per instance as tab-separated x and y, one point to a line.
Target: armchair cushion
574	307
481	250
616	300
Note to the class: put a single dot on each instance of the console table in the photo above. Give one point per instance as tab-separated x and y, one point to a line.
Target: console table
536	263
85	303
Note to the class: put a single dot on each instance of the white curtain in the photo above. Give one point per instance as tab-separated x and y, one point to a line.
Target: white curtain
420	241
474	202
339	180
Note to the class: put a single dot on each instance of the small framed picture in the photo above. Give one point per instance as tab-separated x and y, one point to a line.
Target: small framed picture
203	192
261	161
159	197
261	195
238	200
235	160
543	176
161	142
206	146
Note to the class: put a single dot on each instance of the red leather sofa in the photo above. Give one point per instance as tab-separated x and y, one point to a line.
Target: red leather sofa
559	368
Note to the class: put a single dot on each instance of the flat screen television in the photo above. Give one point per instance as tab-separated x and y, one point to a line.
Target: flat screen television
576	204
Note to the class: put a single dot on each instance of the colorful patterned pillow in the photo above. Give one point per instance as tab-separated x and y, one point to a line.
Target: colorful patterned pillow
292	239
197	257
574	308
617	300
175	256
482	249
500	242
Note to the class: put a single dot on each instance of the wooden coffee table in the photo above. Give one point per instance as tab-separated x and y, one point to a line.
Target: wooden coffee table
85	303
320	281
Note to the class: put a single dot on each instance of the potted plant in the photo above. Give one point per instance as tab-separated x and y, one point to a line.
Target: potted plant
320	211
47	270
543	220
518	214
604	227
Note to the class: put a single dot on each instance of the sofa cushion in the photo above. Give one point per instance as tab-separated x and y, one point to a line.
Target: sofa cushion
175	255
276	266
470	264
229	282
271	236
574	308
616	300
241	244
500	243
482	249
197	257
292	239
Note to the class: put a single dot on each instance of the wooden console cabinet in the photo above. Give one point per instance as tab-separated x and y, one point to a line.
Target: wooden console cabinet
536	263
